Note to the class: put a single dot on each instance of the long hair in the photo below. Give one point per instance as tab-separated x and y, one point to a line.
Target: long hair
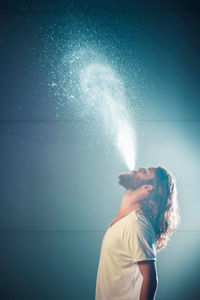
162	207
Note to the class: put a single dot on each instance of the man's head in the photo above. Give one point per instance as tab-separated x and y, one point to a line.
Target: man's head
140	179
153	186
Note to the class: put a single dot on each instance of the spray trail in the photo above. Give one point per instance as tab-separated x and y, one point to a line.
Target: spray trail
103	88
95	84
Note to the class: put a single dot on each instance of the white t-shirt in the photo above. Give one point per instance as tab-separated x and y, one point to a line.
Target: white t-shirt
129	240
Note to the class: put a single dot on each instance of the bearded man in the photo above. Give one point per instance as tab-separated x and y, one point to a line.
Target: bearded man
148	215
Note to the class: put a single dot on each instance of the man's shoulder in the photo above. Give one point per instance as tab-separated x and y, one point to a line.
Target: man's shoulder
141	224
139	219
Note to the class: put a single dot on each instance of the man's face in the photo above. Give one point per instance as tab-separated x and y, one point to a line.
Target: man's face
135	179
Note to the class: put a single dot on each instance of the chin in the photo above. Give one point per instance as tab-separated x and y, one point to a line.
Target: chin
125	180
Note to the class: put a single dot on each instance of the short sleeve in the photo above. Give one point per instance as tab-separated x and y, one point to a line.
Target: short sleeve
142	241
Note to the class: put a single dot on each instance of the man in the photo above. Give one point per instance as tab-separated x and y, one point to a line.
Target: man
127	265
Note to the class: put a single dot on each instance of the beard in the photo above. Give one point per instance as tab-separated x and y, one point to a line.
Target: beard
130	181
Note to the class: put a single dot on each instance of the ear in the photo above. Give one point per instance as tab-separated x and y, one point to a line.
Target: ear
149	187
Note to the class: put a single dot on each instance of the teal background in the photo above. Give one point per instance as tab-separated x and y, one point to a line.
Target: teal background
59	188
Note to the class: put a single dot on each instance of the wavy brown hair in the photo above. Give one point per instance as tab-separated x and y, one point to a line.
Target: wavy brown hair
161	207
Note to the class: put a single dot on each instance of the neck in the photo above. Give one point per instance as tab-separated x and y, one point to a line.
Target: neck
130	201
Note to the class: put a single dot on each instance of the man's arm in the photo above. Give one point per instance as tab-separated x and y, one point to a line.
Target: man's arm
150	279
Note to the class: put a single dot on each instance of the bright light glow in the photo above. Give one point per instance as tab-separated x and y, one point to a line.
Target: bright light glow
126	145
